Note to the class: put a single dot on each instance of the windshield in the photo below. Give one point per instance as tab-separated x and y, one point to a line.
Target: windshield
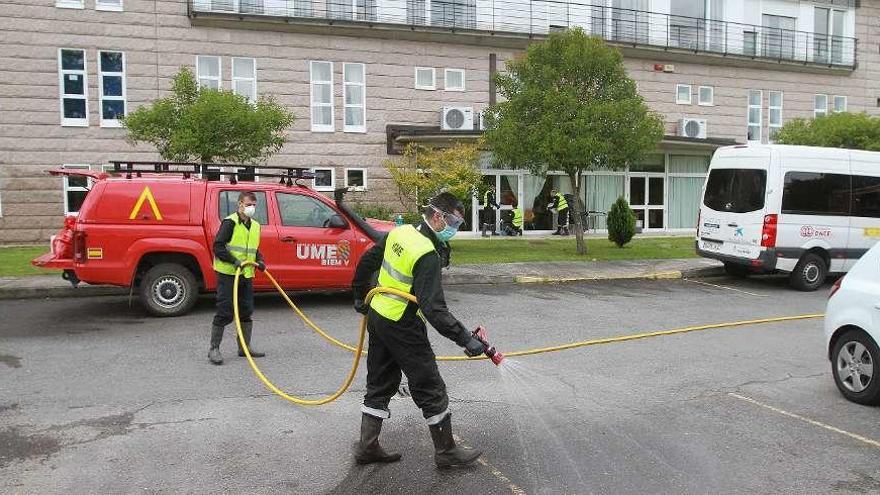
736	190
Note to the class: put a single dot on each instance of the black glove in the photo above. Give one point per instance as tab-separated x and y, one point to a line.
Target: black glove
261	266
360	307
474	347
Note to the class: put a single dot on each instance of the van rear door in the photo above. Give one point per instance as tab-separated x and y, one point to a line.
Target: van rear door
732	214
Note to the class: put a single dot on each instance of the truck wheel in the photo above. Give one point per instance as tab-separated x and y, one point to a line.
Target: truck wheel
737	270
809	274
168	289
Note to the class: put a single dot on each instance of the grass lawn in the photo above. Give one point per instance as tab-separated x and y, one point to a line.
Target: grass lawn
479	251
16	261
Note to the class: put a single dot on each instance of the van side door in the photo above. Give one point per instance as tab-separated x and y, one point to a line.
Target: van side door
864	229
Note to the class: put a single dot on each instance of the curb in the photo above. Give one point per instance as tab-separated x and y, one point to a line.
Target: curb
48	292
666	275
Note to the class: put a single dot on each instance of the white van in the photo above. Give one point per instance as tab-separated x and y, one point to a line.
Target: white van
797	209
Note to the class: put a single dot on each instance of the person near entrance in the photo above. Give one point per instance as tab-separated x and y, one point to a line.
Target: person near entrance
407	260
237	241
489	204
560	204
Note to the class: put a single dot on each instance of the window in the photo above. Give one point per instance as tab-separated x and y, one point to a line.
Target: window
321	77
208	72
356	177
453	80
298	210
111	86
755	114
736	190
354	94
839	104
865	196
775	117
811	193
115	5
683	94
74	88
707	95
750	43
325	179
244	78
228	205
70	4
828	35
686	23
425	78
75	189
820	105
779	37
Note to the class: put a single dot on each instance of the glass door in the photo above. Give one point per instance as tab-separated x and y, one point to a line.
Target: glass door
647	199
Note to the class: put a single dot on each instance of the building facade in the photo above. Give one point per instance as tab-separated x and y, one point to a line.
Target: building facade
366	77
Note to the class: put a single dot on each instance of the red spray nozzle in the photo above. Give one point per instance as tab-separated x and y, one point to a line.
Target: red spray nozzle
491	353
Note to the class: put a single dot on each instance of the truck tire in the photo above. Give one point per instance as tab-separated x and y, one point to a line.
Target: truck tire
809	273
168	289
737	270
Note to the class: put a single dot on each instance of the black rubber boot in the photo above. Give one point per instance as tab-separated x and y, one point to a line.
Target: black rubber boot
368	450
214	353
247	328
446	453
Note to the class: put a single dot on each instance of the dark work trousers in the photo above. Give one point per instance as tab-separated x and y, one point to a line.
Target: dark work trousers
393	350
224	315
487	215
562	218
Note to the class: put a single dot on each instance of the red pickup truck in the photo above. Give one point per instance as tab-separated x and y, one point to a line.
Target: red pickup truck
151	226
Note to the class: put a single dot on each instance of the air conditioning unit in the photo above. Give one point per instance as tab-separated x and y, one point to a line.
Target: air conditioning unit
457	119
692	128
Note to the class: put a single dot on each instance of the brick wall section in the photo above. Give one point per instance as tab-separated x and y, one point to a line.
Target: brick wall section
157	38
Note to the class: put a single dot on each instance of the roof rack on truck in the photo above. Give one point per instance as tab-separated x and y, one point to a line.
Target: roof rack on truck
214	171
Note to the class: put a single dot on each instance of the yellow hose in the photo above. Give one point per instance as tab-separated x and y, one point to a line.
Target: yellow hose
359	349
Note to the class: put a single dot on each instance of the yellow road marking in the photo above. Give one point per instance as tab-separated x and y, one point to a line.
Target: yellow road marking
725	287
854	436
514	489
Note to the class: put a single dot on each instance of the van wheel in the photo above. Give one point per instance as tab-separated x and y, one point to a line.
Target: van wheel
737	270
168	289
854	368
809	274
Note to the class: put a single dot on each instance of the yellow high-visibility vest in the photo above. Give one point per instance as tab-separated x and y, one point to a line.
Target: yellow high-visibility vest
517	218
404	246
242	246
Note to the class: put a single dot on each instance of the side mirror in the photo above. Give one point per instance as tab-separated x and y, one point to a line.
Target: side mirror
337	222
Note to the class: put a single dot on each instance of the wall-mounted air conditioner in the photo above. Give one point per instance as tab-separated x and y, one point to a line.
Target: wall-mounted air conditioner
692	128
457	119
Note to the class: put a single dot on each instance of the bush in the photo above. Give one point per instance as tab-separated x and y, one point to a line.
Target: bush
621	222
373	210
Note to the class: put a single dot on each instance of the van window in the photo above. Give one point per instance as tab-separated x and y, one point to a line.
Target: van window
229	205
811	193
298	210
737	190
866	196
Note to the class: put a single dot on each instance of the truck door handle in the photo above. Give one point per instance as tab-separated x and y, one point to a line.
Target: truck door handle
732	225
288	239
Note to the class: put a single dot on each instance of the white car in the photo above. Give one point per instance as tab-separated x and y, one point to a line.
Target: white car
852	330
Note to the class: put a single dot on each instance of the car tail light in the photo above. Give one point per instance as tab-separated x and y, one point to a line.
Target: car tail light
835	287
69	222
768	232
79	247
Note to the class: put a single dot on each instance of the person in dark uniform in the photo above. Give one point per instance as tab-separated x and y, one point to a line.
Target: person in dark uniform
489	204
407	259
237	241
560	204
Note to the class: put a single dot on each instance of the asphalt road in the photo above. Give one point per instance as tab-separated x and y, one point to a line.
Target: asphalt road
96	397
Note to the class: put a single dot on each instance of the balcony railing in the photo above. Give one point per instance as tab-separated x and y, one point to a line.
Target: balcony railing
539	17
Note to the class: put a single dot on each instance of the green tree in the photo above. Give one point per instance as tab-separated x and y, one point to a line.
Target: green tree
857	131
621	222
209	125
569	106
424	172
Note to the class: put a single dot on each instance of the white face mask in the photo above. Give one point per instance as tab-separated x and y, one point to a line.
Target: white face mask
250	210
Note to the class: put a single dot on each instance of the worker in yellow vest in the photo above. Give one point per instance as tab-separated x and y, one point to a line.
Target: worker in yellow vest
517	220
407	259
237	241
560	204
488	205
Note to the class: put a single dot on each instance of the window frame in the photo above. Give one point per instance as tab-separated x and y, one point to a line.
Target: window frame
789	211
770	124
73	122
70	4
218	78
433	85
114	123
711	101
331	127
252	79
332	185
281	219
446	73
66	187
856	210
262	204
816	111
100	5
760	123
834	104
362	128
363	171
679	101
